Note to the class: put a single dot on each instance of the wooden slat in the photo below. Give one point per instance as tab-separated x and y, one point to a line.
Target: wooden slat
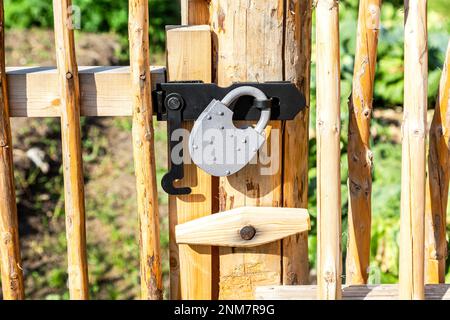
437	184
411	270
105	91
359	155
296	137
353	292
248	38
328	151
12	278
144	152
192	271
71	151
223	229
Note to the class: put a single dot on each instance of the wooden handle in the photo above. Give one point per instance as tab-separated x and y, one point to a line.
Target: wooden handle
244	227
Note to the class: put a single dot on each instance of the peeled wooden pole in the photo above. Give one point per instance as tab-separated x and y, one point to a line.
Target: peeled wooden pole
413	152
71	150
296	138
144	152
438	181
328	151
359	154
12	279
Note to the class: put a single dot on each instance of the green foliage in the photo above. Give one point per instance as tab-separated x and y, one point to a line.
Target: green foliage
96	16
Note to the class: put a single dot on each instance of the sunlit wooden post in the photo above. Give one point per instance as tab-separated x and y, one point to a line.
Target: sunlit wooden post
437	184
144	152
71	150
359	155
413	151
328	151
12	279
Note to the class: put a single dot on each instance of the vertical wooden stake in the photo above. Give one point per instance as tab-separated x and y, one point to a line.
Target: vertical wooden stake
189	57
144	152
328	151
12	279
359	154
71	150
413	152
438	180
296	137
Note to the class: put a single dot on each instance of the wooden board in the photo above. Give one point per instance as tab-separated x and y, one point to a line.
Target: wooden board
353	292
192	267
105	91
248	41
224	229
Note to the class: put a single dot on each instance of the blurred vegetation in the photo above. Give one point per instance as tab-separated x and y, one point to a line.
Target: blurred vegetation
96	16
41	193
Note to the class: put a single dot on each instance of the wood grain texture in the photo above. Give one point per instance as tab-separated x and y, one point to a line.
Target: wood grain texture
144	152
411	272
104	91
249	46
11	270
437	184
223	229
296	136
328	151
194	12
71	151
193	271
352	292
360	157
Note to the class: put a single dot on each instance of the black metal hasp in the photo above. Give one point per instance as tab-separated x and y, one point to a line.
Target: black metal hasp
176	102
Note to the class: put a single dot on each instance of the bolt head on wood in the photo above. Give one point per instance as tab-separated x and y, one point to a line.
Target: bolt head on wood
247	233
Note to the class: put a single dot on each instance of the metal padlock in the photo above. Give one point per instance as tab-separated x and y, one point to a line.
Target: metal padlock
217	146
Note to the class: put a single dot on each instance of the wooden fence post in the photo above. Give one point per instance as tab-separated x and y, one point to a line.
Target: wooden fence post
144	152
193	267
12	279
437	185
296	137
71	150
249	45
413	151
359	155
185	66
328	151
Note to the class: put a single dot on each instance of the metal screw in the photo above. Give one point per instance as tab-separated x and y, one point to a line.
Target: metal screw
221	113
247	233
228	172
209	117
174	103
244	141
195	147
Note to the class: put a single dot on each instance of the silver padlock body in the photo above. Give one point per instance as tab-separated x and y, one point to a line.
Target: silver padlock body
217	146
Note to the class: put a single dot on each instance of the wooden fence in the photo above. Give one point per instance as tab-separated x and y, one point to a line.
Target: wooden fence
229	41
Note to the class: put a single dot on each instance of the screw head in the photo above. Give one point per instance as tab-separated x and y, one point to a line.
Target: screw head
228	172
173	103
247	233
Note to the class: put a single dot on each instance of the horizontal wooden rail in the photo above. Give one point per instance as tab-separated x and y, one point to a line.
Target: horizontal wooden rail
353	292
105	91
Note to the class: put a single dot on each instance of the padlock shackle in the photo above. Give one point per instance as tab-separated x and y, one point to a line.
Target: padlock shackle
258	95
